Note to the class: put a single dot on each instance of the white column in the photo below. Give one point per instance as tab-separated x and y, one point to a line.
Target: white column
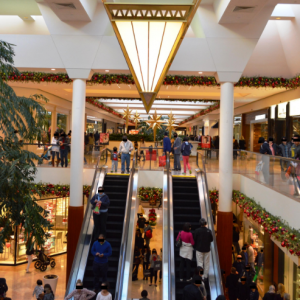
78	122
53	121
226	147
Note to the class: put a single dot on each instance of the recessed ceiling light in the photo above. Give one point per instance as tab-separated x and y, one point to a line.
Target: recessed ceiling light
106	70
53	69
200	72
278	18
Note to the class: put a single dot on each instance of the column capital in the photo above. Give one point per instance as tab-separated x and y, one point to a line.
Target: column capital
80	73
223	77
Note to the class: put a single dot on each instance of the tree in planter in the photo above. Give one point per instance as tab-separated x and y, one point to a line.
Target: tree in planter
21	119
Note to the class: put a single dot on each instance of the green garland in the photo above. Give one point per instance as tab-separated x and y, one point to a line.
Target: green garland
275	226
176	80
57	190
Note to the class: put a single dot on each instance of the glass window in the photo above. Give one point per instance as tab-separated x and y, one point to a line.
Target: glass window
62	121
93	126
296	125
46	135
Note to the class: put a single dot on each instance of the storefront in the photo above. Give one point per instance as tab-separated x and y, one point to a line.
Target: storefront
237	127
92	126
15	247
62	121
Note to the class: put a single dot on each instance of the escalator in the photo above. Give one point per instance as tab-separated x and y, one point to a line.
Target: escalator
115	187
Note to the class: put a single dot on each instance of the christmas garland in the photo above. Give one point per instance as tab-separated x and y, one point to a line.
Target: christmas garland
201	113
275	226
176	80
150	194
152	217
57	190
166	99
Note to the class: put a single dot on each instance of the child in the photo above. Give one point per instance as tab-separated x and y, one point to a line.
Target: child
186	150
39	289
114	160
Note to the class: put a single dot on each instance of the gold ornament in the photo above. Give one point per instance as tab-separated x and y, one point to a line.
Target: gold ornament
136	119
171	124
126	116
155	123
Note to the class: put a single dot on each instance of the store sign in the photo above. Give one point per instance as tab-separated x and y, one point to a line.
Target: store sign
295	107
104	138
237	120
260	117
282	110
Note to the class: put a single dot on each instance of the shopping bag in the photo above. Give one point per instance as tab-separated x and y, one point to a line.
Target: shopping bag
157	266
162	161
259	167
147	273
96	210
152	156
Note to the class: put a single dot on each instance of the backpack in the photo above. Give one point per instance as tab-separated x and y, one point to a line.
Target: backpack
189	150
148	234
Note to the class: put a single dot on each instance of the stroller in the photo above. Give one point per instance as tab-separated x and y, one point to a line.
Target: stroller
46	153
43	261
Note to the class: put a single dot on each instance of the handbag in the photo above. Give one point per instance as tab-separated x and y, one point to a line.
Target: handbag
178	242
147	273
162	161
157	266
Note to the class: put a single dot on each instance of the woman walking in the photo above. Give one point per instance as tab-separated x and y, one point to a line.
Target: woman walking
80	293
153	258
186	150
186	251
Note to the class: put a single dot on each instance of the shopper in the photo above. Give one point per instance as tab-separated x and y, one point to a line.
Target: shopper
235	148
97	139
275	150
29	253
114	160
55	149
249	275
271	295
166	144
281	291
232	283
125	149
254	295
139	241
136	262
153	258
199	272
203	238
141	222
101	251
144	295
243	290
177	151
63	142
48	293
242	143
146	260
251	257
286	296
91	142
186	150
148	233
244	254
100	203
264	147
104	294
192	291
239	265
39	289
236	237
80	293
186	251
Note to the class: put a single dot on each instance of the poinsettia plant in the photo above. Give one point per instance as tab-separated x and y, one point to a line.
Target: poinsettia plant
148	194
214	196
152	217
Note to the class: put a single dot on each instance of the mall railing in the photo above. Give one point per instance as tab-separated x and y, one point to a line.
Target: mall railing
85	237
148	157
279	173
215	275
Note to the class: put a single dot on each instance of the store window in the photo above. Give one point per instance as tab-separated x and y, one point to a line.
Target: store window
296	125
62	121
46	134
93	126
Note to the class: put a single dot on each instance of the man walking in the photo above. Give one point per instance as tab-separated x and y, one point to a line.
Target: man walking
101	250
177	151
167	144
125	149
203	238
100	203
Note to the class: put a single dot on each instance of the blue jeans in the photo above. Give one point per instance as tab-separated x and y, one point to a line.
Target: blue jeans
64	157
53	154
100	270
125	158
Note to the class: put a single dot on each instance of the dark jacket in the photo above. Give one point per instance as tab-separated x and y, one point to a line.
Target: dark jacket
3	286
104	199
271	296
265	149
235	235
277	149
254	295
282	150
141	222
186	149
244	257
240	267
66	141
243	291
191	292
231	284
203	238
97	137
249	277
139	242
242	144
167	144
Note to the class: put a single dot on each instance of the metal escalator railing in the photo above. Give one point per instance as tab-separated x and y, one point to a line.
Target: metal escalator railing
215	276
168	236
85	237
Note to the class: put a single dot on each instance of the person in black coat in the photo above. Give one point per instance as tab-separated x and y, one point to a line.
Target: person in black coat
146	259
239	265
3	287
254	295
191	291
139	241
249	275
271	295
243	290
232	283
264	148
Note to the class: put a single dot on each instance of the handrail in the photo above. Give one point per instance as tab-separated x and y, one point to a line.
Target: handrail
78	266
215	276
124	241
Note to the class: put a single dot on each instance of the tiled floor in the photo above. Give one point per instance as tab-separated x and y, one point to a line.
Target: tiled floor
21	284
140	285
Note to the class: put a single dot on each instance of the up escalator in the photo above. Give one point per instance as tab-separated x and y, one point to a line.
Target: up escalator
115	187
186	209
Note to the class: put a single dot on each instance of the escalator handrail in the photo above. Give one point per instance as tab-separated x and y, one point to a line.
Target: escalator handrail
80	245
124	241
210	223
